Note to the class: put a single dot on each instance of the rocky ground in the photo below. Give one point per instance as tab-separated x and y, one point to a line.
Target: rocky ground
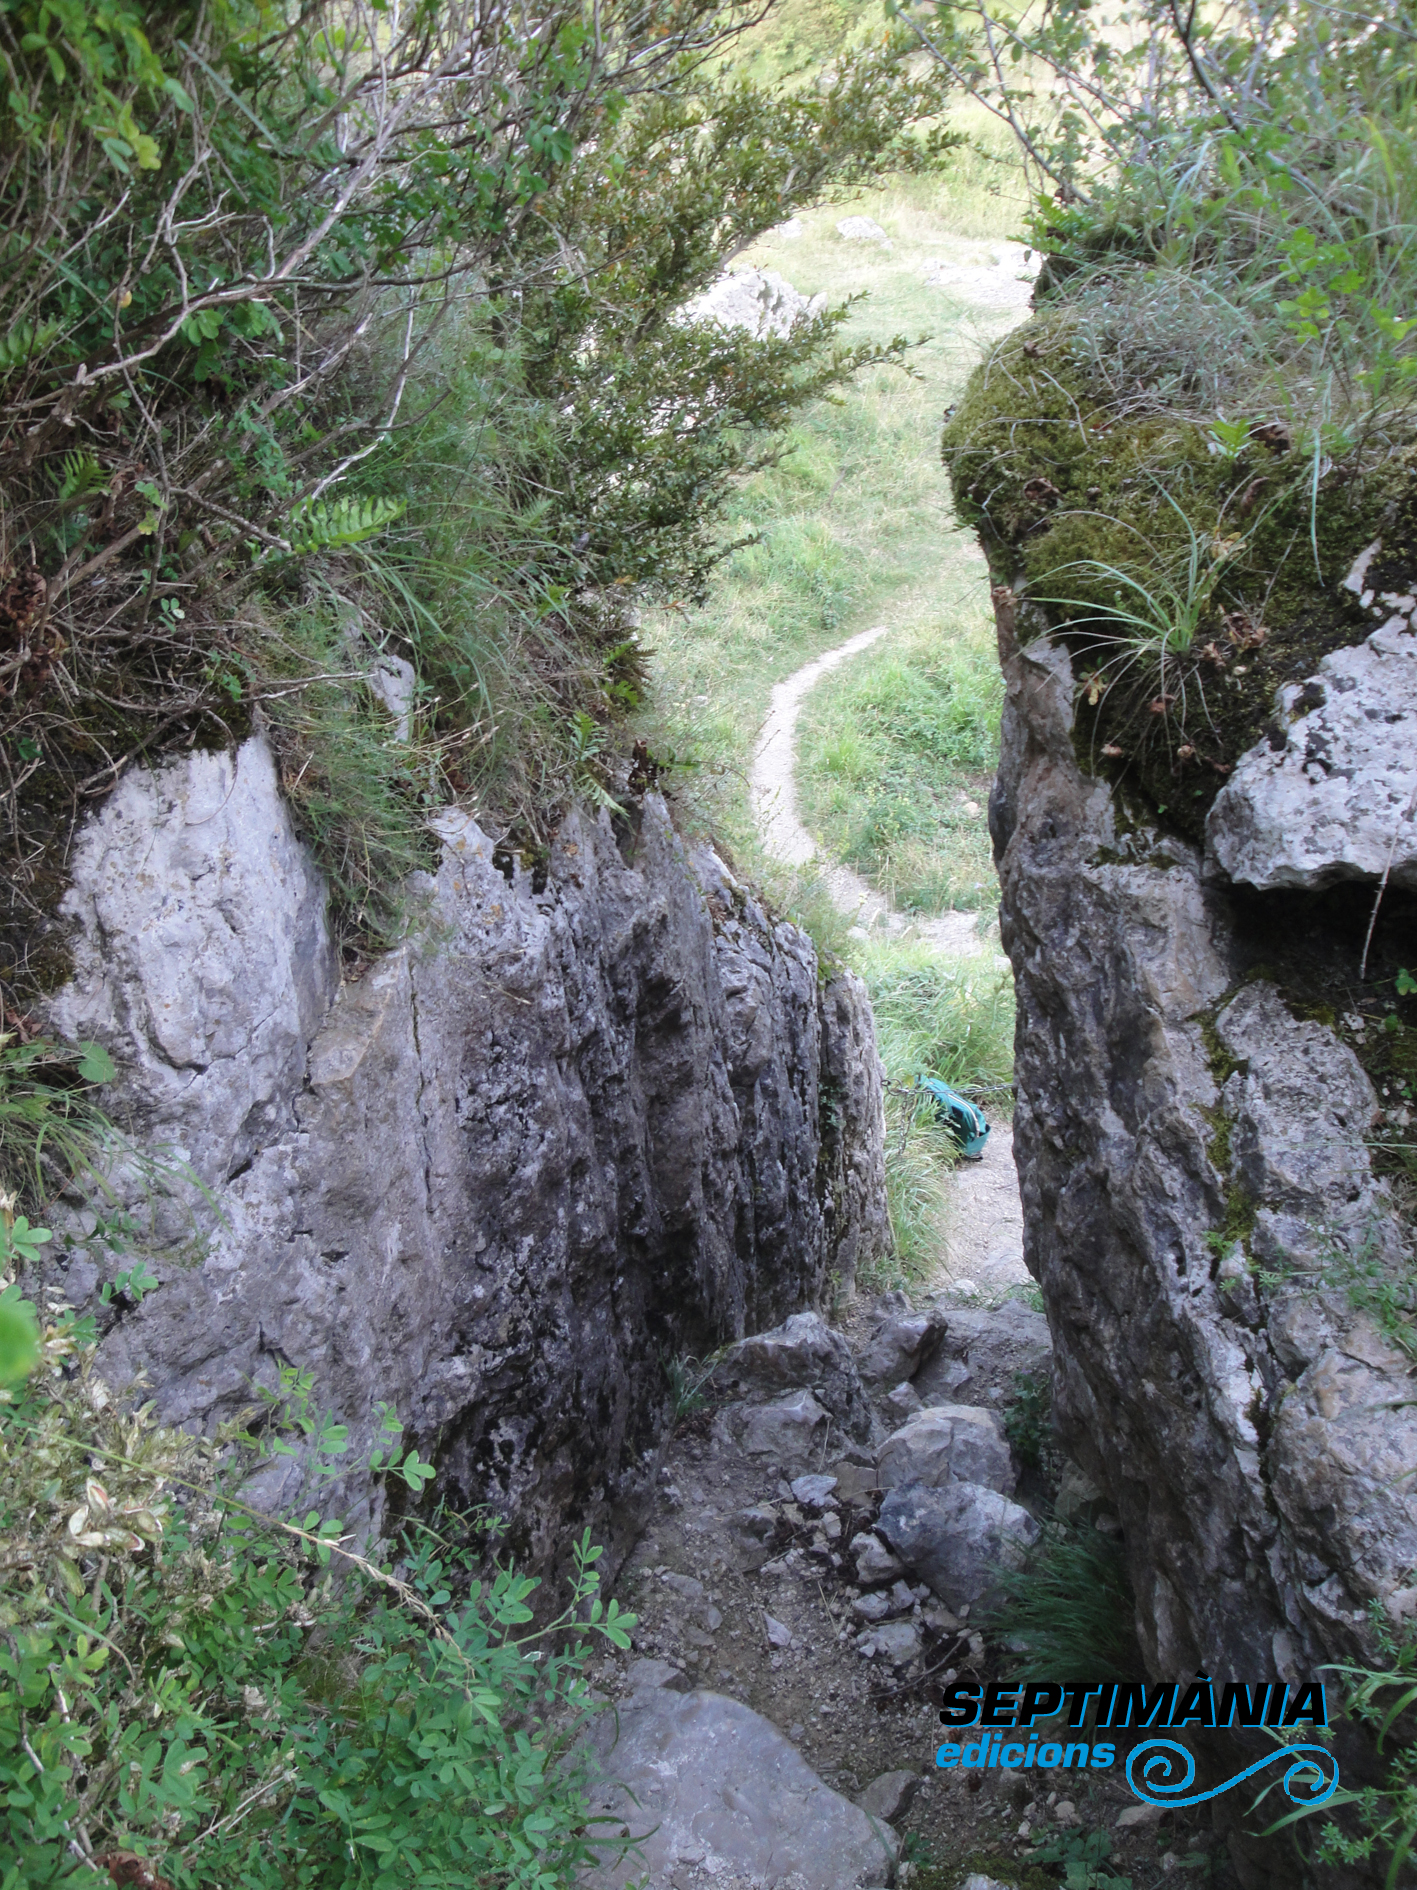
768	1579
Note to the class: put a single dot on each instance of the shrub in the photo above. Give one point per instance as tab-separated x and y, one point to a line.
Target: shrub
349	333
229	1698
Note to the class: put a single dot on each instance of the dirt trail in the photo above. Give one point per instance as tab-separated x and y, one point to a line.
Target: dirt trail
773	788
984	1235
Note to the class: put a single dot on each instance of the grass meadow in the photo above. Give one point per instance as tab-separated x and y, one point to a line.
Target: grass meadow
854	527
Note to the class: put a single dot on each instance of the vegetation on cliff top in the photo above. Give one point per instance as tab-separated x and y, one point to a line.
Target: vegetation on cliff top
342	337
1215	407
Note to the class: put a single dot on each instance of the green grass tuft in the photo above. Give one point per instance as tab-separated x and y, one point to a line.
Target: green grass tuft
1072	1605
895	757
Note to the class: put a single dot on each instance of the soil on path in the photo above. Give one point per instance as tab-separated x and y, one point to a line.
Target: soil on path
766	1616
983	1242
773	787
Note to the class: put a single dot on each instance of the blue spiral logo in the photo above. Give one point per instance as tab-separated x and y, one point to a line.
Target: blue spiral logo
1168	1771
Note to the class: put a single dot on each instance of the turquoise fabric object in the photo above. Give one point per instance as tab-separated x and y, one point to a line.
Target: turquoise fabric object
964	1119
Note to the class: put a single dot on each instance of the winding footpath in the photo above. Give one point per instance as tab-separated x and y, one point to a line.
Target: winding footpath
772	786
983	1244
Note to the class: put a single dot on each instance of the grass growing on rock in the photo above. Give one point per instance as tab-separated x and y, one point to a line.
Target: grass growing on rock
1216	407
1102	519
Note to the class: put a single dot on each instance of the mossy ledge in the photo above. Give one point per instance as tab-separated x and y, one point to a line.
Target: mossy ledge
1061	480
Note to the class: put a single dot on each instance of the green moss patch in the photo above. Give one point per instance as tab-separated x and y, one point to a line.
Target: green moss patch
1190	581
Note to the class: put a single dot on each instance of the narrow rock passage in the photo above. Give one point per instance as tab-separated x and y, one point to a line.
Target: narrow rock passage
984	1237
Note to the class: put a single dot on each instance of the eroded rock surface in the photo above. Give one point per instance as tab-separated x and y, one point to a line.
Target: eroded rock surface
1173	1112
948	1442
1333	793
496	1179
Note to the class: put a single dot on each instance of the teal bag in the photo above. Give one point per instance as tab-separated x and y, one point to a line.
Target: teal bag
964	1119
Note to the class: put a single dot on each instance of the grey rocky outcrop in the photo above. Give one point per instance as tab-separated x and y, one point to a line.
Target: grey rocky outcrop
1249	1427
985	1348
950	1442
792	1431
758	300
718	1796
495	1177
1332	794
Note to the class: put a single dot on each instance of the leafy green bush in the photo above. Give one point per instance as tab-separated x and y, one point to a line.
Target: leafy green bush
1382	1819
372	318
236	1699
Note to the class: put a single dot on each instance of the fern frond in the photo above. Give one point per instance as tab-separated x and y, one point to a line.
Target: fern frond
321	527
77	473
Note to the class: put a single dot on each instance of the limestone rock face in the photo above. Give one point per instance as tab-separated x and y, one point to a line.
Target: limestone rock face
721	1798
1333	793
901	1342
494	1180
1249	1427
202	959
759	300
791	1431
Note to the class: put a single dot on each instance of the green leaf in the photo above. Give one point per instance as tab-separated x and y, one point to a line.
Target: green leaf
321	527
19	1339
95	1064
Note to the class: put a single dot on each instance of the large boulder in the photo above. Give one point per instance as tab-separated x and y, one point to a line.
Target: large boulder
957	1538
945	1443
901	1341
1332	793
990	1346
791	1432
717	1796
804	1351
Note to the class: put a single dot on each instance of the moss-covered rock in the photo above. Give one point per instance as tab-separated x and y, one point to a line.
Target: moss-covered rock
1229	564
